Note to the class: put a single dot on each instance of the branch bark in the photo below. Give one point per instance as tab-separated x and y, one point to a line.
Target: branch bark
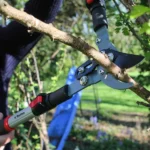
75	42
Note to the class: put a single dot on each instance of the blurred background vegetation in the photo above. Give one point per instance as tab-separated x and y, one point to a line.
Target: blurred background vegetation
121	124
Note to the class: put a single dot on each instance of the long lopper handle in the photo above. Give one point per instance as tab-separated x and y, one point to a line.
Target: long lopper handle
41	104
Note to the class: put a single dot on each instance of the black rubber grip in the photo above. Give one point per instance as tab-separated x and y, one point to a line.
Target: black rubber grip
2	128
59	96
99	18
51	100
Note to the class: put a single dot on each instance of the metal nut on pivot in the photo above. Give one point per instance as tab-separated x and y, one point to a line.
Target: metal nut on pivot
98	40
101	71
111	56
81	70
84	80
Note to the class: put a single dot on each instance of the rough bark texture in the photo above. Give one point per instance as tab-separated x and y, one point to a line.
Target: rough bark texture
75	42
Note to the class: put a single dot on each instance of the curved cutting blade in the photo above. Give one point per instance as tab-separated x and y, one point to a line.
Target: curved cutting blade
123	60
128	60
112	82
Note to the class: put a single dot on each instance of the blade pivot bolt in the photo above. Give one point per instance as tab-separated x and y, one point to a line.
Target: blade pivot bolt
98	40
101	71
84	80
81	70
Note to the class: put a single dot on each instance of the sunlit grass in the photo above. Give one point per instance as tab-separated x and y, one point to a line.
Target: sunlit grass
112	101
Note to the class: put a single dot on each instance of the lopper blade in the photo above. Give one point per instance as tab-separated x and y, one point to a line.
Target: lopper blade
112	82
123	60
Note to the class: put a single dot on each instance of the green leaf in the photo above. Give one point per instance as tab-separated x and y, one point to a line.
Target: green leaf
147	56
14	141
35	136
117	30
139	10
125	31
118	23
37	146
145	28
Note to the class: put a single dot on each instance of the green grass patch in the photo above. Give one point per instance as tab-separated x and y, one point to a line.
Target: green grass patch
112	101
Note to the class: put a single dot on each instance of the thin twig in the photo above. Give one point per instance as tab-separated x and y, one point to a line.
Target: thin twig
37	71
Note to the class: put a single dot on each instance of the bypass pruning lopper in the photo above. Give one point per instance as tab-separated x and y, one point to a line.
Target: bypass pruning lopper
87	74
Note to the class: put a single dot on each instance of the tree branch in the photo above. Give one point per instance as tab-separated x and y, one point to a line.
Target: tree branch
74	42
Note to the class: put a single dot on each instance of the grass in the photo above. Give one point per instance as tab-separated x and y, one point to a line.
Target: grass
112	101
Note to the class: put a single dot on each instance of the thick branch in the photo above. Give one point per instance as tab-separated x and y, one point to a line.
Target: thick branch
74	42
